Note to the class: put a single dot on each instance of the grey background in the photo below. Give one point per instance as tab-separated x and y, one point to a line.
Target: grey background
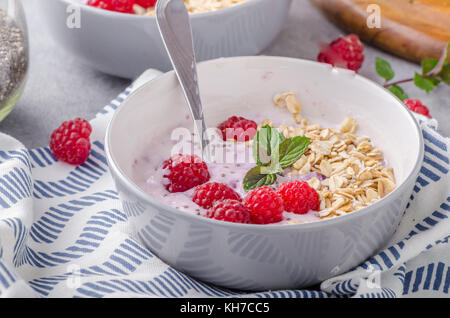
60	87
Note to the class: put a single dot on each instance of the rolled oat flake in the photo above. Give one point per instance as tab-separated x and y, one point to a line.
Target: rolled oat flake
13	58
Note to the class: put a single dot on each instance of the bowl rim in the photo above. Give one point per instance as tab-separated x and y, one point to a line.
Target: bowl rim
194	16
142	195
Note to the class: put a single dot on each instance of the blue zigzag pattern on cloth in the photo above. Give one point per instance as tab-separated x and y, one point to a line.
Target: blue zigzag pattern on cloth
175	284
95	231
384	293
80	179
15	186
292	294
21	155
52	222
400	273
344	288
431	277
445	240
41	157
7	278
123	261
168	284
387	258
436	162
20	234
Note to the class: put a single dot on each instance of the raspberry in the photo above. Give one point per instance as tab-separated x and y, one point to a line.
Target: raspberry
416	105
146	3
124	6
208	193
238	128
183	172
70	141
265	206
347	52
230	211
299	197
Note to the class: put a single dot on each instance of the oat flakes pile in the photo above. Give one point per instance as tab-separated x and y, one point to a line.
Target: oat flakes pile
356	176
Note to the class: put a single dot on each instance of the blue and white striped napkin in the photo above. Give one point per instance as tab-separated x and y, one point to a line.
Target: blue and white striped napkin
63	233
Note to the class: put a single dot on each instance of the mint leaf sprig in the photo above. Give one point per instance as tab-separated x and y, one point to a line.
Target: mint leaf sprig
272	153
434	72
256	179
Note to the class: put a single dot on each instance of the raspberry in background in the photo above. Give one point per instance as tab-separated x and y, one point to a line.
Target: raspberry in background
146	3
416	105
265	206
346	52
207	194
299	197
70	141
124	6
230	211
183	172
238	128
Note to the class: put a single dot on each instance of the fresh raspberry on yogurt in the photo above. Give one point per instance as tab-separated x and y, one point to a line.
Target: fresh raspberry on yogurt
207	194
299	197
230	211
183	172
265	206
238	128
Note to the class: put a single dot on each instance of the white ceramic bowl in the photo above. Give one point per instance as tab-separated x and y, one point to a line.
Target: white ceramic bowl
257	257
126	45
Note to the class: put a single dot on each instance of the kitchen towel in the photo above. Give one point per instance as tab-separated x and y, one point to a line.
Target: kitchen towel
63	233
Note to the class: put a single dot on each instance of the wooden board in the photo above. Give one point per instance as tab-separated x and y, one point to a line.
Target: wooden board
414	30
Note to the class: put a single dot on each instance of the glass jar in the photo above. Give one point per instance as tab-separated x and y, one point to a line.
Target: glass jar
13	54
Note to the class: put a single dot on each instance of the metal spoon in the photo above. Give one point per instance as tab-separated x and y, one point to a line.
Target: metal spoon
175	29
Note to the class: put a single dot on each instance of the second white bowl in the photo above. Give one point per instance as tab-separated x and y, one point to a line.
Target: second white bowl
125	45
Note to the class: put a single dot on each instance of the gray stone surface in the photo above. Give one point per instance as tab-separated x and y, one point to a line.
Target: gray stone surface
60	87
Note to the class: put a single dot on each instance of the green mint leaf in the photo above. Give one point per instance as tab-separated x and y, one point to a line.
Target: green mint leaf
428	65
384	69
398	91
427	84
266	144
292	149
273	168
444	75
436	81
255	179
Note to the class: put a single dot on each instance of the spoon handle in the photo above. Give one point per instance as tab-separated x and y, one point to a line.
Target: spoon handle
175	28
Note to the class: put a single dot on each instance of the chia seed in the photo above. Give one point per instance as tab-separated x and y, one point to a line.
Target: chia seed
13	57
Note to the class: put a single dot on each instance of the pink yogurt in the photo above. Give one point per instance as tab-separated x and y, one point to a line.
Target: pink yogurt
230	162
